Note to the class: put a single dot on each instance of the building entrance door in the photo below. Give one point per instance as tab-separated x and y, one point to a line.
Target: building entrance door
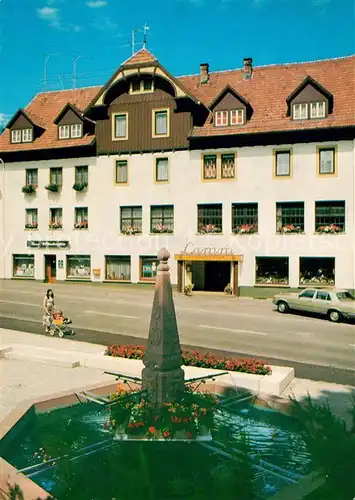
50	266
217	276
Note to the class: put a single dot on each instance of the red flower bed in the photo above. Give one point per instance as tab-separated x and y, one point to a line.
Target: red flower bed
196	358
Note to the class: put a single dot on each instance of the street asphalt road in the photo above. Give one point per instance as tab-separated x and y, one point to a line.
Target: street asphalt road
107	314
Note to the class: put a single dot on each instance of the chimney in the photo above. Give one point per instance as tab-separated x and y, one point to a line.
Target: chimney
204	73
248	68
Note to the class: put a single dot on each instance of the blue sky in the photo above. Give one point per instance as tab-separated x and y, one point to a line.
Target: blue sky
183	33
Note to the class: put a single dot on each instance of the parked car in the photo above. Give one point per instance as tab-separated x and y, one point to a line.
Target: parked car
334	303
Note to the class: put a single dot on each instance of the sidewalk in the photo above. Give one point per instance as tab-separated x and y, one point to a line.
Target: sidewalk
23	380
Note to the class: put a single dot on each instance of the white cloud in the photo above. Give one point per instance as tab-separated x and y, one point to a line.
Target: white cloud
96	4
4	118
50	14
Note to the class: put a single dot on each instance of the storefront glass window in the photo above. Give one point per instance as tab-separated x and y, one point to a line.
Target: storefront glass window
149	267
271	270
24	266
317	270
79	266
118	268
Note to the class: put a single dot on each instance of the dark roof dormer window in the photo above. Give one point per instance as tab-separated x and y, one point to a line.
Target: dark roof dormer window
73	131
230	117
21	135
318	109
309	101
306	110
141	86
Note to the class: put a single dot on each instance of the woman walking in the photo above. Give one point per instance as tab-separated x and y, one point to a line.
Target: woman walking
48	307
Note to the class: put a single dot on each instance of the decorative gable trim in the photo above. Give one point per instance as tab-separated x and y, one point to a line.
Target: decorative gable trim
16	116
310	81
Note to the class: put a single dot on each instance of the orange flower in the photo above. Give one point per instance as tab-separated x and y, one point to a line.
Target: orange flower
151	429
188	434
166	433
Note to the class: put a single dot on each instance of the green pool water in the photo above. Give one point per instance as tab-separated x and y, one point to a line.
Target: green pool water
70	454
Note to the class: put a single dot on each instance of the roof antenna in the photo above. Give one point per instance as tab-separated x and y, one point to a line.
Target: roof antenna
133	41
145	29
46	59
75	59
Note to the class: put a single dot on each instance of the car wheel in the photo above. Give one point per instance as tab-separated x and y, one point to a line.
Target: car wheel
282	307
334	316
61	333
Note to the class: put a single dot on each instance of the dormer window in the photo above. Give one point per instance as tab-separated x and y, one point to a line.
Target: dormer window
21	135
318	109
221	118
237	117
232	117
141	86
300	111
71	131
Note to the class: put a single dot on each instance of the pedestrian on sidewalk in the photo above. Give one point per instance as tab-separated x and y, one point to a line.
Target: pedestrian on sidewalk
48	308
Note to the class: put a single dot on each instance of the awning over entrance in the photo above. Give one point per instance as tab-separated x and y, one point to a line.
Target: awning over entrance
208	256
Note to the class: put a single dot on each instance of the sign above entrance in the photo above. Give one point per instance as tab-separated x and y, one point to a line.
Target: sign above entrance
190	252
47	244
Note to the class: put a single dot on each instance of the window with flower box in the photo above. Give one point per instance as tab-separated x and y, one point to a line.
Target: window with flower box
55	218
79	267
81	218
148	268
131	220
81	178
218	166
31	219
118	268
271	270
290	217
23	266
244	218
162	219
317	271
32	177
55	179
330	217
209	218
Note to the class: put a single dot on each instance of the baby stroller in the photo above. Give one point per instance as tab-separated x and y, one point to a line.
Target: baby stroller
57	323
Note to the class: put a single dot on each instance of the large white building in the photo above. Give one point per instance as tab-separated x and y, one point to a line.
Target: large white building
246	176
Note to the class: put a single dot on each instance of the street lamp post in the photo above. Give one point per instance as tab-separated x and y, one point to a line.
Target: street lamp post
3	216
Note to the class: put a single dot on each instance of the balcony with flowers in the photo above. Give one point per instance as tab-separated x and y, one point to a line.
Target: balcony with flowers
29	189
54	225
246	229
31	225
81	225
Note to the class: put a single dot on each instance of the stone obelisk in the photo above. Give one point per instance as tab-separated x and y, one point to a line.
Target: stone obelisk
163	377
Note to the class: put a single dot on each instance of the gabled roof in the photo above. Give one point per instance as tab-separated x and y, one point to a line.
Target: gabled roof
24	113
47	106
310	81
227	89
142	56
269	89
63	111
141	59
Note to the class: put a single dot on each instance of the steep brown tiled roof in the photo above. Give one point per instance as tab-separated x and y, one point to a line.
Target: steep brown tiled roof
140	57
268	90
43	110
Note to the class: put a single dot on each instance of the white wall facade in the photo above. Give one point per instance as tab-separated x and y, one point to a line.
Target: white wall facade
254	183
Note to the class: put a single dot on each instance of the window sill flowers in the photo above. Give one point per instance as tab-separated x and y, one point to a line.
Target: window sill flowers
190	418
160	228
80	186
29	189
271	280
81	225
129	230
246	229
209	229
196	358
330	229
33	225
290	228
54	188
